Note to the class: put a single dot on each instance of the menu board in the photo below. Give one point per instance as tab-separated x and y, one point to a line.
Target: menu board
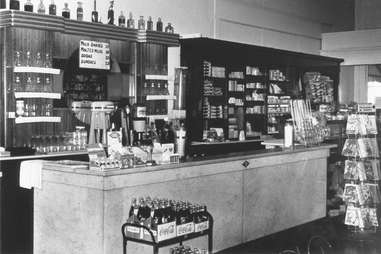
94	55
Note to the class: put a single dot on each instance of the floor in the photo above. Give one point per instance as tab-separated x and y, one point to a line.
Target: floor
325	236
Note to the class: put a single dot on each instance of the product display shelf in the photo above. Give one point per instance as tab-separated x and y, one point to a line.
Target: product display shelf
28	69
38	119
361	175
43	95
156	77
160	97
176	240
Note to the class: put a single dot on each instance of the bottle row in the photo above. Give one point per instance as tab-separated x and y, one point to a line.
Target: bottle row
66	142
156	88
34	108
166	219
162	211
32	83
187	250
28	6
32	59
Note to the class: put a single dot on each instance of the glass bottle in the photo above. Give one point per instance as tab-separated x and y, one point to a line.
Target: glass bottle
110	14
66	11
28	59
41	7
48	84
20	108
17	83
52	8
48	61
94	13
131	21
29	85
28	6
38	87
159	25
38	61
122	19
149	24
17	61
141	23
169	29
14	5
80	11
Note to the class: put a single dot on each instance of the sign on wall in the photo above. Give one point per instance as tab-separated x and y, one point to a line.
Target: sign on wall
94	55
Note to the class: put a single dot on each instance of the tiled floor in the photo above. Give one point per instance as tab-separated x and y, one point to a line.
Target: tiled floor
328	236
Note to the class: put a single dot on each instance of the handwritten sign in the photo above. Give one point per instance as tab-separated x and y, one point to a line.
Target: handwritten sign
94	55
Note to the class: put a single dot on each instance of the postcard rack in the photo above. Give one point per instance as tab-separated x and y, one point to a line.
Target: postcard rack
362	173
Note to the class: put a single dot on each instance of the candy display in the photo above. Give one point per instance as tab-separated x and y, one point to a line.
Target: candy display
319	88
308	129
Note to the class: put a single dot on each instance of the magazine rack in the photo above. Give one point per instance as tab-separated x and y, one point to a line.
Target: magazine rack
362	173
179	239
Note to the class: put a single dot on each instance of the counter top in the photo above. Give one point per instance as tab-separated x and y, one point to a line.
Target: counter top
195	162
42	156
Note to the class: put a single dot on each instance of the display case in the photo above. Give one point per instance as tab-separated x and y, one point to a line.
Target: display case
155	88
240	92
42	72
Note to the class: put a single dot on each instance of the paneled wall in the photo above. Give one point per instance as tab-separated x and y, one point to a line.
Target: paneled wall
287	24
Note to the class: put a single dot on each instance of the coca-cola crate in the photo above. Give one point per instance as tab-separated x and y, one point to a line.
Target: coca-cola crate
166	234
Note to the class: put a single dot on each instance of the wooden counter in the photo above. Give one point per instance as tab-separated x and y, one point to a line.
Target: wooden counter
81	211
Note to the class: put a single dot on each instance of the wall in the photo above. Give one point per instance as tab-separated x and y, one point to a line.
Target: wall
367	14
288	24
346	86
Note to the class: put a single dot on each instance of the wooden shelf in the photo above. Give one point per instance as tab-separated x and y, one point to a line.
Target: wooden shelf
38	119
43	95
27	69
156	77
160	97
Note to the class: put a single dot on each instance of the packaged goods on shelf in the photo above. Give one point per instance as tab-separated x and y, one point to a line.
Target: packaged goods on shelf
275	89
256	85
255	110
277	75
254	96
213	71
218	72
234	86
236	74
253	71
211	90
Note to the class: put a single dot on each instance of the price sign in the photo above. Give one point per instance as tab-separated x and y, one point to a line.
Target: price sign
365	108
94	55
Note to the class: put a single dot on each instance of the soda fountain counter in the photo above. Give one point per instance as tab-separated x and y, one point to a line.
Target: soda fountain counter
250	195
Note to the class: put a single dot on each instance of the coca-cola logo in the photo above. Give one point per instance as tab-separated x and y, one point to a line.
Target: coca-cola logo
170	229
